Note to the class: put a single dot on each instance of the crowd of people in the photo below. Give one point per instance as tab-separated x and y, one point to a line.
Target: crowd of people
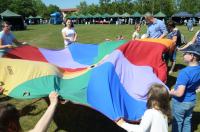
159	112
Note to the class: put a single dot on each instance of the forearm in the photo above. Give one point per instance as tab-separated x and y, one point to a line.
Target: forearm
75	37
131	127
185	46
66	38
178	92
44	122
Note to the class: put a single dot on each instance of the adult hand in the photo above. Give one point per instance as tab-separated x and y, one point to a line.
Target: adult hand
171	92
53	97
120	121
10	46
23	43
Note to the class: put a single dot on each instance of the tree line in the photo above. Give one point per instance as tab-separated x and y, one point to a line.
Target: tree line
168	7
28	7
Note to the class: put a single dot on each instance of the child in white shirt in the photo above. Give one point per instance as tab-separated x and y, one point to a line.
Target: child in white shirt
136	34
155	118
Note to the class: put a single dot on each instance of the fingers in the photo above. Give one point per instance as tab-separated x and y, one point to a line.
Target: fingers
10	46
53	97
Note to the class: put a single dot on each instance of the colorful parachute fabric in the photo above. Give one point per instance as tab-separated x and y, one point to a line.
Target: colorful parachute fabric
112	77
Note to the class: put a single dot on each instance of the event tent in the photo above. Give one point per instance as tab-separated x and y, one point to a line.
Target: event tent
182	14
126	15
116	15
136	14
56	18
106	15
15	20
160	15
97	15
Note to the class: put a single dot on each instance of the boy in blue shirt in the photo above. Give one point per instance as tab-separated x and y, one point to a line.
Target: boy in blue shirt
7	38
184	95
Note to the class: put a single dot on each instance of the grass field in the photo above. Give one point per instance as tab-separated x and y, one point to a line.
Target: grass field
70	117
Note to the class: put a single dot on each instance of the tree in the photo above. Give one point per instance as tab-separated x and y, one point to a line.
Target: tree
4	5
40	7
106	2
83	7
190	6
23	7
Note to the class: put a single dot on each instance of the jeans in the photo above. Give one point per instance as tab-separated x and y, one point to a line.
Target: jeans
182	115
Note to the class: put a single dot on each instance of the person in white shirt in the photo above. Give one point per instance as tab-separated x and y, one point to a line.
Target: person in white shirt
136	34
68	33
155	118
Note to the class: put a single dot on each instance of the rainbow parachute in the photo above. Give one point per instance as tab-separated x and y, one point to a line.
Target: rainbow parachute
112	77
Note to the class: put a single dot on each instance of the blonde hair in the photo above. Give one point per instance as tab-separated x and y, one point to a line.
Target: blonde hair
137	25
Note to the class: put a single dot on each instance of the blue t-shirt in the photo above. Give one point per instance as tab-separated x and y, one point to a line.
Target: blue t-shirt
156	29
7	38
190	78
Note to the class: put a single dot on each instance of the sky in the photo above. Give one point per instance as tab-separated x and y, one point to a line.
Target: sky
68	3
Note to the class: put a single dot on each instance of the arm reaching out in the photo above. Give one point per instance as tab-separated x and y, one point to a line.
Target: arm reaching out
45	120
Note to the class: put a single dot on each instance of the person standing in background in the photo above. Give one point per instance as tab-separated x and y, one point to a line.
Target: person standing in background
175	36
156	28
68	33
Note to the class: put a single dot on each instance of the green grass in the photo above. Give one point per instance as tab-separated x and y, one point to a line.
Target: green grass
71	117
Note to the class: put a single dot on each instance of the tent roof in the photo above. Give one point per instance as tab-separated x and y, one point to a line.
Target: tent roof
125	15
81	16
197	14
182	14
136	14
116	15
39	17
8	13
56	14
88	16
30	17
106	15
73	16
97	15
160	14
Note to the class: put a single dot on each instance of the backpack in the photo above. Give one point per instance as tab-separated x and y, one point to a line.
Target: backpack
180	39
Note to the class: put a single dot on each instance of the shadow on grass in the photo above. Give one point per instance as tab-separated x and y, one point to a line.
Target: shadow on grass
77	118
4	98
171	80
26	110
195	120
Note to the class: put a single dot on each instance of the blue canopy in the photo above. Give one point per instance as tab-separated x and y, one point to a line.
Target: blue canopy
182	14
56	14
56	18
